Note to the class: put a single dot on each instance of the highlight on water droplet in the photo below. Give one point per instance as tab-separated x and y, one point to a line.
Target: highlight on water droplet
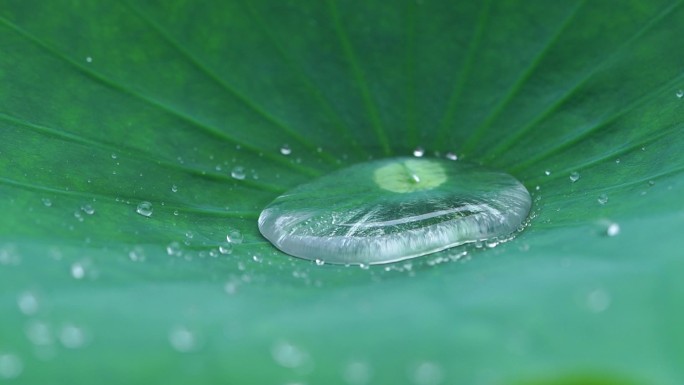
418	152
613	229
234	236
602	199
393	209
574	176
88	209
680	93
144	208
285	149
451	156
238	172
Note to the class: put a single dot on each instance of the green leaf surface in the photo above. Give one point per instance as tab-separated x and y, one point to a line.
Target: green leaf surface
106	104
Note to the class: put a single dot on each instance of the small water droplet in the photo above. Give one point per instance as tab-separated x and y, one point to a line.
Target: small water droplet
428	373
88	209
28	303
288	355
285	149
651	183
418	152
47	202
182	339
234	236
226	249
78	270
613	229
72	337
547	172
451	156
231	287
39	333
598	300
574	176
394	209
319	262
174	188
357	373
680	93
11	366
145	209
137	254
175	212
238	173
257	258
173	249
114	156
89	59
603	199
617	161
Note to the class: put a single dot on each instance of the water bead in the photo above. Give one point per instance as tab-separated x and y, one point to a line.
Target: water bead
144	208
393	209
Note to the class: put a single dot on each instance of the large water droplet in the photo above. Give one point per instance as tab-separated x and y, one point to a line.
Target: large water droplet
393	209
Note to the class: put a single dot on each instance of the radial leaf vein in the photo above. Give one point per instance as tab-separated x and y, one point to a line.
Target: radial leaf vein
510	141
667	87
605	156
219	134
348	50
137	154
477	134
450	112
338	123
229	88
410	62
100	197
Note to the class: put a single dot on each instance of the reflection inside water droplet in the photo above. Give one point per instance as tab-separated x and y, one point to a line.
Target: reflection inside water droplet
144	208
393	209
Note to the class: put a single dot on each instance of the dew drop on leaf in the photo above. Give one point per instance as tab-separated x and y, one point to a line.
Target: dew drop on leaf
393	209
680	93
613	229
11	366
182	339
285	149
574	176
238	173
418	152
603	199
144	208
234	236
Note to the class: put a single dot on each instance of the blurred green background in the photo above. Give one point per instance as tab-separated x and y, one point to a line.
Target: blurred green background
186	105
